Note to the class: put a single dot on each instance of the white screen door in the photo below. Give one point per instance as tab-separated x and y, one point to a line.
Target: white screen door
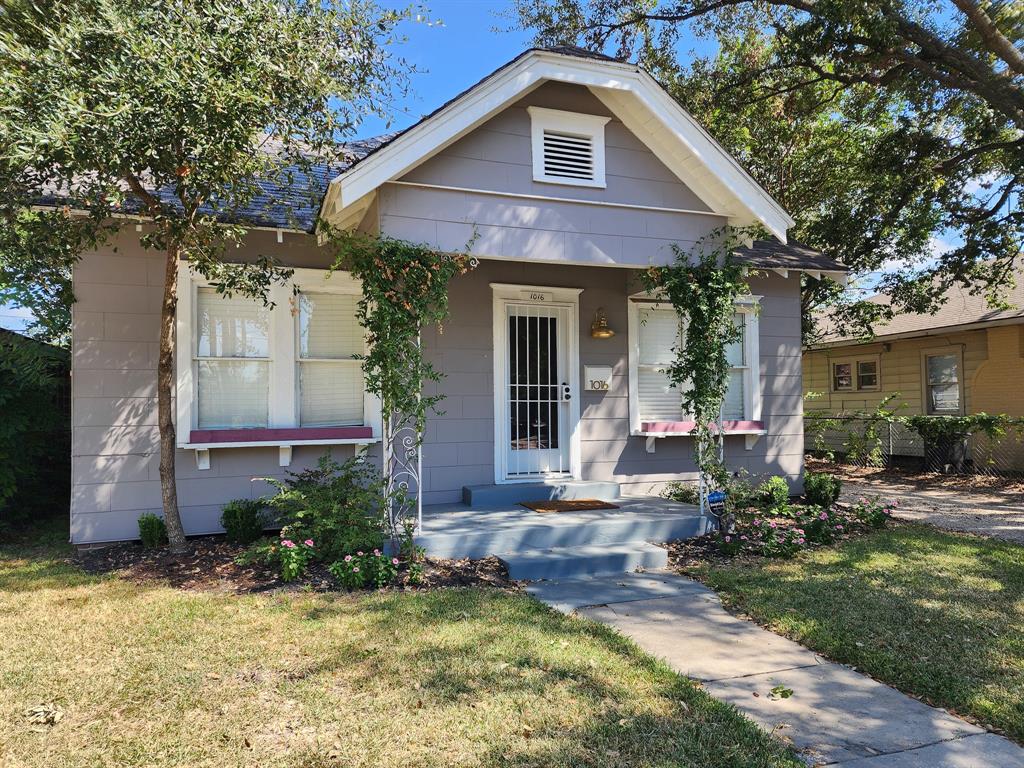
538	391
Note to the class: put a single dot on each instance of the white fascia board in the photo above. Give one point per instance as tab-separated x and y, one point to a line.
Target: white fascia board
463	115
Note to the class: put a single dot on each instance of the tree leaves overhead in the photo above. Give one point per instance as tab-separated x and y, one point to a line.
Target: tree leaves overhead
185	112
883	127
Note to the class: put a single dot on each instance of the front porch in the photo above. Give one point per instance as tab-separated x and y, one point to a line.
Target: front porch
562	544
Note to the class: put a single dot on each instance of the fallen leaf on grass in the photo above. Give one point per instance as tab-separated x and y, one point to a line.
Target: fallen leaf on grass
44	714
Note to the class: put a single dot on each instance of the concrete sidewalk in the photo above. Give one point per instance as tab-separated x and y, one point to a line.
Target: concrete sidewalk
835	716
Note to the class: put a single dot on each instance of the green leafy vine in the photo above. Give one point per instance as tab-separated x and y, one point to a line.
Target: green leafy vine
703	285
404	289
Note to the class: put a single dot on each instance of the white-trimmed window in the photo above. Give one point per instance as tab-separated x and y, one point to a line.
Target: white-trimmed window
296	365
568	147
654	331
860	374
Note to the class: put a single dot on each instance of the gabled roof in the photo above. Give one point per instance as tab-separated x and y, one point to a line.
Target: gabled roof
639	101
960	310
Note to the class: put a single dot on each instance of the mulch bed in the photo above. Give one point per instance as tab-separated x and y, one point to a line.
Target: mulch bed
210	566
919	480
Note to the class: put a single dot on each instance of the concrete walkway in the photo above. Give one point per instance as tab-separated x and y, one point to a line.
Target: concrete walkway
835	716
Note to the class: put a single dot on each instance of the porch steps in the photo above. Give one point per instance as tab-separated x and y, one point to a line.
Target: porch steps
481	533
562	563
482	496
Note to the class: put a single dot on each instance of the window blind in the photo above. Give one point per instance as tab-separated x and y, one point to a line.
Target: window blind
330	373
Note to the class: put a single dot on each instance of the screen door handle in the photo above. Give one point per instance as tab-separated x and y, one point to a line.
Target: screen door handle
566	392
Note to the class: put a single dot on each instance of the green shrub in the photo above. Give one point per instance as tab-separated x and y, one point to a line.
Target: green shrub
685	493
822	489
152	530
775	495
873	513
822	525
243	520
339	506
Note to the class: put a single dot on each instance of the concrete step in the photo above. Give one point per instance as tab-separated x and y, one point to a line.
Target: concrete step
534	531
568	562
514	493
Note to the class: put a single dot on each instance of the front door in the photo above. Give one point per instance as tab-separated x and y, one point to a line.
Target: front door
538	390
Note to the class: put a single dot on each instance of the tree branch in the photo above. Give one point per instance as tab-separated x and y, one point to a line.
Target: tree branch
994	40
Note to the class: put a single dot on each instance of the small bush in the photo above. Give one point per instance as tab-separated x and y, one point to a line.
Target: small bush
874	513
295	557
684	493
340	506
152	530
822	489
775	495
358	570
775	540
243	520
823	526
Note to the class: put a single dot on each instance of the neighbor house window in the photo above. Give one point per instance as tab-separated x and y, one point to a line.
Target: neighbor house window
942	383
655	333
293	361
855	374
568	147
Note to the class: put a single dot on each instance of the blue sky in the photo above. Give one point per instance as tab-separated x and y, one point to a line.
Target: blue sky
465	41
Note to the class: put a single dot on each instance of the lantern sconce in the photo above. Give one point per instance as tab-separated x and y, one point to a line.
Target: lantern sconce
599	328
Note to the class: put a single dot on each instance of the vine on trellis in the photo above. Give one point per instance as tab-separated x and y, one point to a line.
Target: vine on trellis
703	286
404	290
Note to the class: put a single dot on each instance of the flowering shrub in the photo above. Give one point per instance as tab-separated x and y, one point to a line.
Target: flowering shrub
823	526
731	544
775	496
776	540
294	557
873	513
358	570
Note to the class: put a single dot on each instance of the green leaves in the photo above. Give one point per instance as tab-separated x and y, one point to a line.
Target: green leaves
703	286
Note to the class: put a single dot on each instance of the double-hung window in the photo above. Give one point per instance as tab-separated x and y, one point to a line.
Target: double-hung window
855	374
287	371
655	335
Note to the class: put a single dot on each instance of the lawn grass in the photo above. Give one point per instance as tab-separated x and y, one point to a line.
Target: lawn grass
935	614
147	675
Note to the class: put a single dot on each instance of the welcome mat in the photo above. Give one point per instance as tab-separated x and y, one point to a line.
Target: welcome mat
567	505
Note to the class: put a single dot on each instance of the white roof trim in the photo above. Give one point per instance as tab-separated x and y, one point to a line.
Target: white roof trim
672	133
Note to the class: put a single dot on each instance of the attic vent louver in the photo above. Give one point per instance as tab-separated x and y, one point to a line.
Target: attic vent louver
568	148
568	155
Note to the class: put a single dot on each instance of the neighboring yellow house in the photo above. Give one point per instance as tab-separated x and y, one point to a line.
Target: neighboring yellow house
966	358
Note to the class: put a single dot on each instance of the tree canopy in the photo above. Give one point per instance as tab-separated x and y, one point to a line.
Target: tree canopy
880	126
187	114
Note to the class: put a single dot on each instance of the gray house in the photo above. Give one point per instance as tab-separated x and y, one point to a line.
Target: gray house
569	172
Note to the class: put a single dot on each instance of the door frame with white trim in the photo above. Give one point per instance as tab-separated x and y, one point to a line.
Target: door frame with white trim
504	294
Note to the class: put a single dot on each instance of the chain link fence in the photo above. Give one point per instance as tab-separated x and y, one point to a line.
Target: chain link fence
880	442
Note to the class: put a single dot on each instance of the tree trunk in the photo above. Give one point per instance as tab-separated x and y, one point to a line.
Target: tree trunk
165	398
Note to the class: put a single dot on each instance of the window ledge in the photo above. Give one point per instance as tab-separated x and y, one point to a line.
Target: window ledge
205	439
657	430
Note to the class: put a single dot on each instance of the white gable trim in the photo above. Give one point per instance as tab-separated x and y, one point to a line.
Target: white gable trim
679	141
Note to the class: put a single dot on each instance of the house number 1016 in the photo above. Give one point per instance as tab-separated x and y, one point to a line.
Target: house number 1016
598	378
597	384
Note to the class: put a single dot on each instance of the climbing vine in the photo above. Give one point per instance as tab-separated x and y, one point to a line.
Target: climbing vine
404	290
703	285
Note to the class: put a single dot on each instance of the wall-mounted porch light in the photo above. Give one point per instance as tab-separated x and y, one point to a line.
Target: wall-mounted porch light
599	328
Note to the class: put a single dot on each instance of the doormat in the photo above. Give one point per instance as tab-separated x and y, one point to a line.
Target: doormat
567	505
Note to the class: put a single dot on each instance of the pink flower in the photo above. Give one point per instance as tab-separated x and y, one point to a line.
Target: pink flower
376	553
394	561
355	569
772	524
743	538
348	558
839	527
756	521
308	542
288	543
728	539
800	541
823	516
360	554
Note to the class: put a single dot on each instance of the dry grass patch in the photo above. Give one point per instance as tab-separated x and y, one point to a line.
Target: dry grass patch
143	674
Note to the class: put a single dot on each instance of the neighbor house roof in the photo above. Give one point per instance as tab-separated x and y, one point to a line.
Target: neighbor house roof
960	310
